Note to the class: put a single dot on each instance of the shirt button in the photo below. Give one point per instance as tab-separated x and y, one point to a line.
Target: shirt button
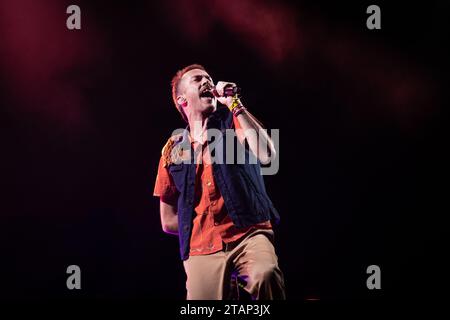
216	223
208	183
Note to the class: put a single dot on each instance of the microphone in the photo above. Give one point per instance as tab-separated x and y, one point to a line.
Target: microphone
227	92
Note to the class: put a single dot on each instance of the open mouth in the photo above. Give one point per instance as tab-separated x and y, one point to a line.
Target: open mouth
206	94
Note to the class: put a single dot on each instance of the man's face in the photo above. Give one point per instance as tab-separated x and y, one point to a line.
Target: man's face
195	87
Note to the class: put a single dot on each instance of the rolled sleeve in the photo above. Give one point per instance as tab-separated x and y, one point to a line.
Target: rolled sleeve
164	186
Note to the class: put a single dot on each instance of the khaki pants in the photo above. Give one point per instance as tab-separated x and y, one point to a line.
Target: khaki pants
252	258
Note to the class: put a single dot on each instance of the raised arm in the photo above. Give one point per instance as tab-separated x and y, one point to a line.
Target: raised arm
248	127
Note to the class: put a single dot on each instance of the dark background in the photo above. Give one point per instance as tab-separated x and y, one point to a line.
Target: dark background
84	115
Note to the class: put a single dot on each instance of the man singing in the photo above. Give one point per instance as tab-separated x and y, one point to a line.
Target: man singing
220	210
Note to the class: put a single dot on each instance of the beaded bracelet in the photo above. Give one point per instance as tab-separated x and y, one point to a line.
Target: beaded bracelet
238	110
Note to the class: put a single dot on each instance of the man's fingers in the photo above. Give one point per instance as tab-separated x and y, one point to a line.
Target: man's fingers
221	85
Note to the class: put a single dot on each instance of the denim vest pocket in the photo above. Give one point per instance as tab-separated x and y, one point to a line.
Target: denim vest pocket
175	167
177	171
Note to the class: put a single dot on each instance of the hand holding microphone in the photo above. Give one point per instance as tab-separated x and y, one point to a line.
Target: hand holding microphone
225	89
228	93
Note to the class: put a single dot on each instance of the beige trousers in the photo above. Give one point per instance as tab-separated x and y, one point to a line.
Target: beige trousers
251	258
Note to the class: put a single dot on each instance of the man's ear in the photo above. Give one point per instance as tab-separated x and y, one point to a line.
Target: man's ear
182	101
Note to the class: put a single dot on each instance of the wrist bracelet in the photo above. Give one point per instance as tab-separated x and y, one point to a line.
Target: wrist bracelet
235	103
238	110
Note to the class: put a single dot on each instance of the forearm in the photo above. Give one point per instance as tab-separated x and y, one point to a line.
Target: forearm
257	138
169	218
171	226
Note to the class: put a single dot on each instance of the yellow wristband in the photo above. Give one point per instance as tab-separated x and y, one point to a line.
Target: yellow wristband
236	102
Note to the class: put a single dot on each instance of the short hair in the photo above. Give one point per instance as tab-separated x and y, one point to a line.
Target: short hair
176	86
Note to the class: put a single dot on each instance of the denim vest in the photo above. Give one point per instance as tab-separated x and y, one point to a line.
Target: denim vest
241	185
